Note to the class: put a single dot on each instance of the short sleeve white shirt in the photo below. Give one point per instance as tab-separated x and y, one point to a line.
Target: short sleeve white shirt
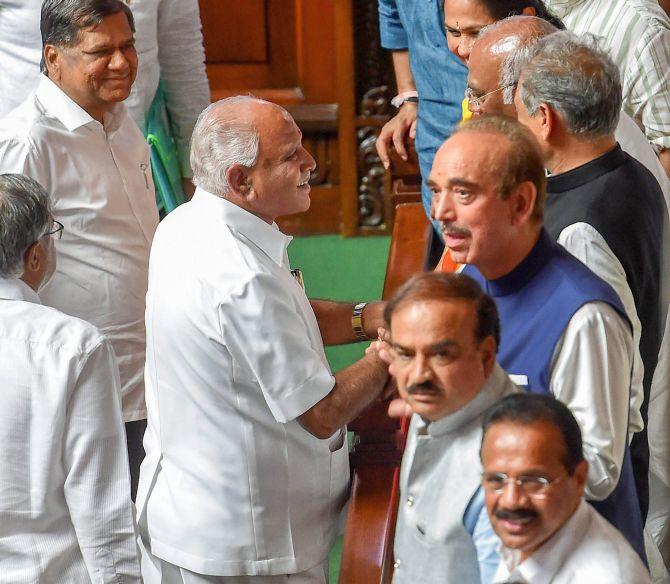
232	483
101	189
65	510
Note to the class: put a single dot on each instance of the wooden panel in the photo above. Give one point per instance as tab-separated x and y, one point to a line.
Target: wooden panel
308	68
323	216
234	65
235	31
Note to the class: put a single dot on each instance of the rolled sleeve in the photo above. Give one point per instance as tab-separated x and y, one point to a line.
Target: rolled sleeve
278	348
391	29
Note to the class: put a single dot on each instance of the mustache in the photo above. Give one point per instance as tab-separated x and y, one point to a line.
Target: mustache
451	229
425	387
515	514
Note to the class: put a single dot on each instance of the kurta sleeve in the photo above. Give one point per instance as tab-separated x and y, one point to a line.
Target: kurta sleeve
97	480
266	337
591	374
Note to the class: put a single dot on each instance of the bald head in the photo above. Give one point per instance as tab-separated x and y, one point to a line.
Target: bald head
500	52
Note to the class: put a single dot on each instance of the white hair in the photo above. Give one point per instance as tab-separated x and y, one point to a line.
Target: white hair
221	140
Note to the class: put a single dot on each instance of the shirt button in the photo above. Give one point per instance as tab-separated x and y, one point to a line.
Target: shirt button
396	564
410	501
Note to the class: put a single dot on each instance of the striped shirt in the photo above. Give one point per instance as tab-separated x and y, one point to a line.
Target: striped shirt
637	34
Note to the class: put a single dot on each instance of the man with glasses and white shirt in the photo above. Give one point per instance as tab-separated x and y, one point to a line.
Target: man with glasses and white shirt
534	477
76	138
65	509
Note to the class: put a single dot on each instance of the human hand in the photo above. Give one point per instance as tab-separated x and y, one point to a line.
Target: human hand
396	131
399	408
381	346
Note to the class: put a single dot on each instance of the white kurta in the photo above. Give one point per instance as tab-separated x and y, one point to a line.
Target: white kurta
65	510
101	188
232	484
585	550
169	47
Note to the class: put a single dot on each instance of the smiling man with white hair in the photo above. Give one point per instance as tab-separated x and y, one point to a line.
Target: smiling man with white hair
247	467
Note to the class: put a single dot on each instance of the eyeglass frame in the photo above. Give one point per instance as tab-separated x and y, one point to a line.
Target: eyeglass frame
55	233
476	101
520	482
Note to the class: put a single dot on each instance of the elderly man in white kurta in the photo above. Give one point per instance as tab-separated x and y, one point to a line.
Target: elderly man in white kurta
247	468
77	140
65	511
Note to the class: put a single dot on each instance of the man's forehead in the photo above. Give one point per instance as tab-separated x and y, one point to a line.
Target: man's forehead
116	24
484	67
470	156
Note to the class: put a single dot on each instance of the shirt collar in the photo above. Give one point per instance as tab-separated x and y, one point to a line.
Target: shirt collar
577	177
57	103
17	289
267	237
544	564
490	393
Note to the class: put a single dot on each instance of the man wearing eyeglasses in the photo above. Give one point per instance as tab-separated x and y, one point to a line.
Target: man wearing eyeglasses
65	508
75	137
534	477
444	335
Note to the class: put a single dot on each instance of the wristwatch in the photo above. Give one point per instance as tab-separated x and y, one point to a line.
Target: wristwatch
405	96
357	322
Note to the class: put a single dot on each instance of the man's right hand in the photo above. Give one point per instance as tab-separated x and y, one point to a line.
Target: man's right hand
397	131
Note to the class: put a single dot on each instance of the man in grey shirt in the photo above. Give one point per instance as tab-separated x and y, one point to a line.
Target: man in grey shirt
444	337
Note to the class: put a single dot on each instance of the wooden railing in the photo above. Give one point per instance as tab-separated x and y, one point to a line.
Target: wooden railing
367	555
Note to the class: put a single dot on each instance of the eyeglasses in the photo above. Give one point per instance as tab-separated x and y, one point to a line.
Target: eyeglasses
57	232
475	101
533	486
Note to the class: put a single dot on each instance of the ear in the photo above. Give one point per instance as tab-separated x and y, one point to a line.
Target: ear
488	350
51	55
522	202
529	11
580	474
239	181
34	262
547	121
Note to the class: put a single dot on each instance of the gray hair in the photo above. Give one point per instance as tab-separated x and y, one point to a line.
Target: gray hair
25	216
221	139
578	79
526	31
62	20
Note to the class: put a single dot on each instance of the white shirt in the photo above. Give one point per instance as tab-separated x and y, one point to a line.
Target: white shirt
232	484
65	509
591	374
169	46
585	550
101	189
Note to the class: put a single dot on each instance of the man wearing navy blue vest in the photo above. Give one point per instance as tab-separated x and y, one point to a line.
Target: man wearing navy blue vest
564	330
602	205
